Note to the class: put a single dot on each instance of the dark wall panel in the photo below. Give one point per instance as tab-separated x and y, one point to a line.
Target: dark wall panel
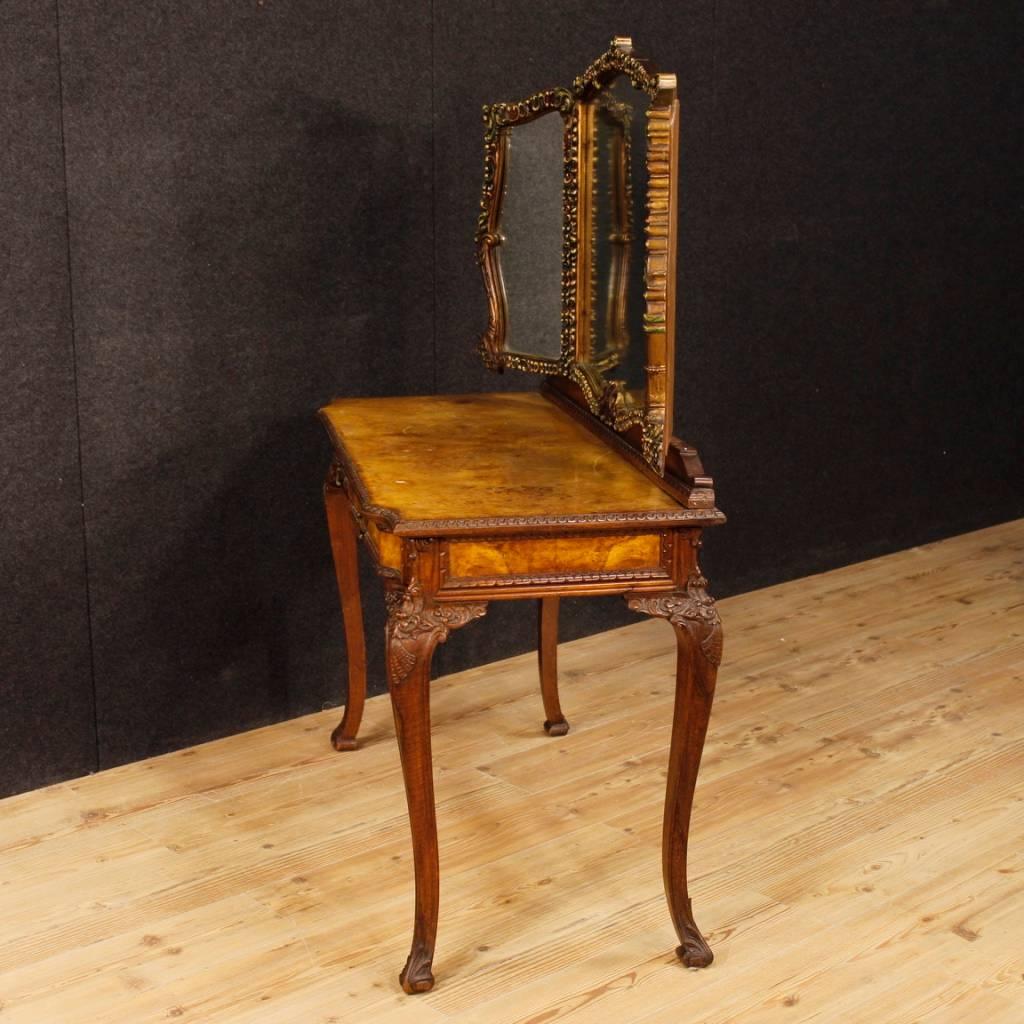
273	203
250	200
854	391
46	728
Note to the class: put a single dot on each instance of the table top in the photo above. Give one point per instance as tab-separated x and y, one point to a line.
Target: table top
446	463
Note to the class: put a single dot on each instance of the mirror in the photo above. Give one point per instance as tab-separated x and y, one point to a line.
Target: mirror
530	225
576	239
615	337
522	230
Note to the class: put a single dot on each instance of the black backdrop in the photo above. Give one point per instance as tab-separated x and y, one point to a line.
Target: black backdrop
215	216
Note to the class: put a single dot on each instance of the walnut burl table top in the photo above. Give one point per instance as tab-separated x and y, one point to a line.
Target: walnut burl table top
442	459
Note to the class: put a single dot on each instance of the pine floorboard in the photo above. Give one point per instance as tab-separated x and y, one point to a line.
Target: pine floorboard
857	851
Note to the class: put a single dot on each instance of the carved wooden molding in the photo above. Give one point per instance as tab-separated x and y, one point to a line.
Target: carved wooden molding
416	625
693	609
343	473
556	578
597	520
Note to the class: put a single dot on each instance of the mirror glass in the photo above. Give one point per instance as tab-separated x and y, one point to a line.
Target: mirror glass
531	231
618	343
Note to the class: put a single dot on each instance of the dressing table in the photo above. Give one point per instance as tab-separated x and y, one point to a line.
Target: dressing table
576	489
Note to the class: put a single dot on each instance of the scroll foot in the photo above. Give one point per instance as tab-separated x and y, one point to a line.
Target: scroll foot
417	975
694	952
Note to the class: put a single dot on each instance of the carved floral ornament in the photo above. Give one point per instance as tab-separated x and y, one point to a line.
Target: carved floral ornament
693	609
415	626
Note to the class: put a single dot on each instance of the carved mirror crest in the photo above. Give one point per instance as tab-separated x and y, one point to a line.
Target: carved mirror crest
576	241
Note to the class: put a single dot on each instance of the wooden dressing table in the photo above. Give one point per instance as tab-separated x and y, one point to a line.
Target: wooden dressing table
577	490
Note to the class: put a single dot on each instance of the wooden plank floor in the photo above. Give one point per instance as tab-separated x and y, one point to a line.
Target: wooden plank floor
858	841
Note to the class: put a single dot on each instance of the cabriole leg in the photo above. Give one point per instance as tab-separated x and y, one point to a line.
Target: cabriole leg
555	723
415	627
698	629
344	545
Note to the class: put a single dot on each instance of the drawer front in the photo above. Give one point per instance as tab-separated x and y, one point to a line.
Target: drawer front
596	556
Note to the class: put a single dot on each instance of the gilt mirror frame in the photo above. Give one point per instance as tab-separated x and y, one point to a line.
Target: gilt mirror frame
499	119
646	425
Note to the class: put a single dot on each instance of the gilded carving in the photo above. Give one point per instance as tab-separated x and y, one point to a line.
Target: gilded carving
616	60
653	438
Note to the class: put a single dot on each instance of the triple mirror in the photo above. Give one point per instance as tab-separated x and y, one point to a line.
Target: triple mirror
577	241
